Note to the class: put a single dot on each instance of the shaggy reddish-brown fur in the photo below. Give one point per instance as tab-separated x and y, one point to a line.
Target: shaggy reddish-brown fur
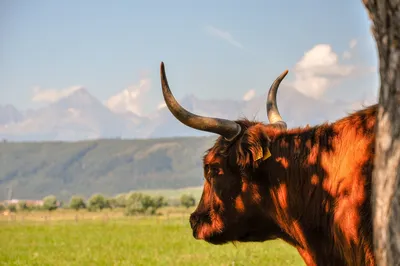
313	191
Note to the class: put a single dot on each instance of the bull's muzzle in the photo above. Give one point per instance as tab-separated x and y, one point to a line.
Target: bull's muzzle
197	220
194	220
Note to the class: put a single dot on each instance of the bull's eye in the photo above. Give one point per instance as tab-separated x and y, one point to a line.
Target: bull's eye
215	171
212	170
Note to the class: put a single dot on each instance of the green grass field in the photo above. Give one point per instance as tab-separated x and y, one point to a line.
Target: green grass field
108	238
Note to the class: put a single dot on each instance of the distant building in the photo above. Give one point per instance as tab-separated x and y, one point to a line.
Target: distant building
29	203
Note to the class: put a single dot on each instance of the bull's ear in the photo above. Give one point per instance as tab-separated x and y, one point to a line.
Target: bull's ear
253	147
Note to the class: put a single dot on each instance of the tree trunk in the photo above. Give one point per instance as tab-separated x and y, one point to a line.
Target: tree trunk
385	16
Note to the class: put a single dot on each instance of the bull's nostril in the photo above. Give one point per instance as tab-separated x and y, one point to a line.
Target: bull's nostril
194	219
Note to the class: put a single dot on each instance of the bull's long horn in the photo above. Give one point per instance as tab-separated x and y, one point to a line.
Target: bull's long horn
226	128
272	109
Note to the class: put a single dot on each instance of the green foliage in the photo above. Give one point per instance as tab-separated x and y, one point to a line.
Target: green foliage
106	166
138	203
159	202
77	203
12	207
36	208
120	201
97	203
188	200
134	203
22	205
152	204
2	207
147	203
50	203
111	203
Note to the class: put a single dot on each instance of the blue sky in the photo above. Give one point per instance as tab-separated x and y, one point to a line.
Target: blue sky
212	49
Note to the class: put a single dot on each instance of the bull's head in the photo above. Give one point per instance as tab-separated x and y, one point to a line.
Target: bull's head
232	195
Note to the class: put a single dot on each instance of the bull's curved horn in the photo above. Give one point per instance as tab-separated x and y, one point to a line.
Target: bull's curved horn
272	109
226	128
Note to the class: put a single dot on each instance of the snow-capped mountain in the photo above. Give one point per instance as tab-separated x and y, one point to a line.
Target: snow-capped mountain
80	116
10	115
76	116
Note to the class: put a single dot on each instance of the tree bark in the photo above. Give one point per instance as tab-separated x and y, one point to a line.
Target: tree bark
385	17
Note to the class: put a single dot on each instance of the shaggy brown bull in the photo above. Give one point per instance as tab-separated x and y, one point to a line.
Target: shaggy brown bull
310	187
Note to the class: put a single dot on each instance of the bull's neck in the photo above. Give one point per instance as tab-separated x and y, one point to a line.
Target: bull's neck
294	182
304	173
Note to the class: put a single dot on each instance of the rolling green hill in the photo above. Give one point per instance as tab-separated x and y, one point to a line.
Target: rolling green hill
35	170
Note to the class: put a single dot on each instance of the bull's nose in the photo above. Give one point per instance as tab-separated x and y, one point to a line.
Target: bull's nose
194	220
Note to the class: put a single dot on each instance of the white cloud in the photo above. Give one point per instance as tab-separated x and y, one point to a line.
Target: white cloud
318	70
225	35
161	105
249	95
130	99
346	55
353	43
52	95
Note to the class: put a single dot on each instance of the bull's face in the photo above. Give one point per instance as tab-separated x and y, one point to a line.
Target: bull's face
217	216
233	195
231	198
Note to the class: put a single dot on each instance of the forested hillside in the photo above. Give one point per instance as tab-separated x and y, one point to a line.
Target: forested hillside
35	170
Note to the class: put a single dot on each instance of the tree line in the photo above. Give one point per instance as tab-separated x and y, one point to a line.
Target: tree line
132	203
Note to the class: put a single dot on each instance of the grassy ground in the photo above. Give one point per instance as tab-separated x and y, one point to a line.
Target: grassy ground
108	238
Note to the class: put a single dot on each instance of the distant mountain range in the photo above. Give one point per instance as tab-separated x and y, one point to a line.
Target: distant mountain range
35	170
80	116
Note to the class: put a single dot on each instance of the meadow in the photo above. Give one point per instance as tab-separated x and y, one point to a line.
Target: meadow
66	237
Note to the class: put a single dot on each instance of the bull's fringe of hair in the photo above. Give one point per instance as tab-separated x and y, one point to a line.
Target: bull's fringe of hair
244	149
252	143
